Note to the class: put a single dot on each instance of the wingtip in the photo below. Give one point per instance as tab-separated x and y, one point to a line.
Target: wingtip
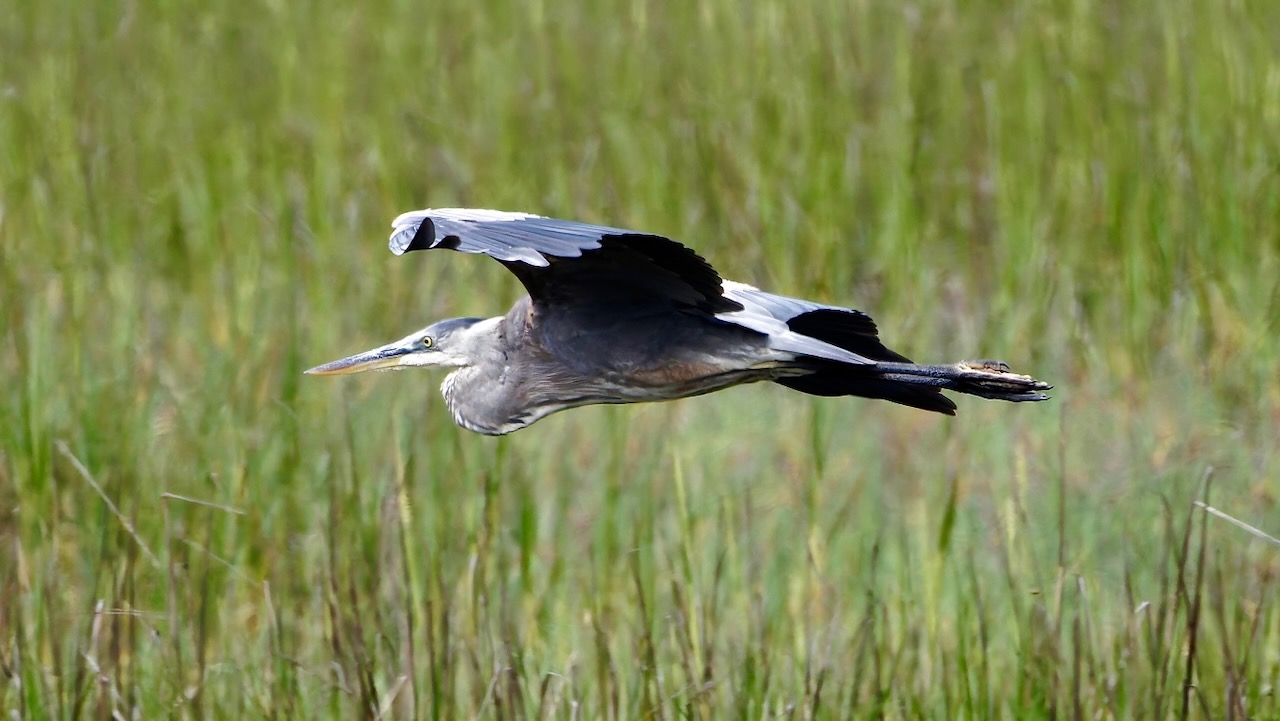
420	237
417	229
408	229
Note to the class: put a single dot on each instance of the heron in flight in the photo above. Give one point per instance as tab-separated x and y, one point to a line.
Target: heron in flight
621	316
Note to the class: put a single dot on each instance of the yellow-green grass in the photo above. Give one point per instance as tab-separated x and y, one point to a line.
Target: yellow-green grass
194	204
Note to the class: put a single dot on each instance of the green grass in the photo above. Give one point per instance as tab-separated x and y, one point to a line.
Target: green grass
193	209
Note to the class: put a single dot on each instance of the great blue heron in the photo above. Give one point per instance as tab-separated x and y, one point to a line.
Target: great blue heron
619	316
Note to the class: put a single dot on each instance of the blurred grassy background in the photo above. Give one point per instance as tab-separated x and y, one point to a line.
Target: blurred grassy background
195	202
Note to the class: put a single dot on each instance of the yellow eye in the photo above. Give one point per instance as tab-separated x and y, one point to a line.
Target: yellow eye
427	342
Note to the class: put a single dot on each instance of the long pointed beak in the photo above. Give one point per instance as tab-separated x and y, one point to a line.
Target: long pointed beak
387	356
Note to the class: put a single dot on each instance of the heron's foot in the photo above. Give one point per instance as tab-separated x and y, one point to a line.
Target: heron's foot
998	374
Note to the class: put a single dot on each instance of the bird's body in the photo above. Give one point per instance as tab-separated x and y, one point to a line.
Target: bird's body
615	316
556	361
570	361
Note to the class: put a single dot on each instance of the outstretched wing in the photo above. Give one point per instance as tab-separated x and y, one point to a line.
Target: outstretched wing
565	263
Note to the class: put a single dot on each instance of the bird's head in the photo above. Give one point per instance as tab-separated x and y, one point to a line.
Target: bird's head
452	343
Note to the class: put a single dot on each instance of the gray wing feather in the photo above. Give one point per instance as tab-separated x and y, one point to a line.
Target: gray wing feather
511	237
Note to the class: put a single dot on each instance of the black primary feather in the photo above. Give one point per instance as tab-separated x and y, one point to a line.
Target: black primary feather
849	329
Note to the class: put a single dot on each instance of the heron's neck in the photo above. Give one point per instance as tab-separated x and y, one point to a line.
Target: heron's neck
482	396
482	404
